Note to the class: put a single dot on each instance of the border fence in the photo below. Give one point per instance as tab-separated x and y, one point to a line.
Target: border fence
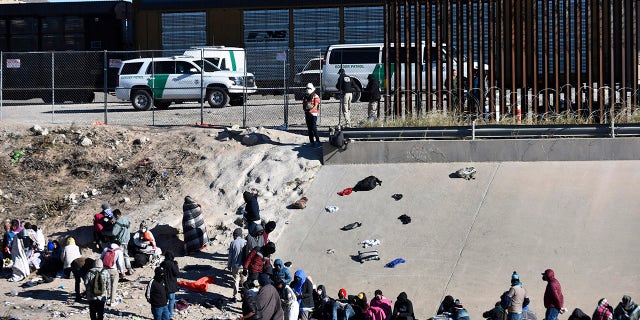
543	60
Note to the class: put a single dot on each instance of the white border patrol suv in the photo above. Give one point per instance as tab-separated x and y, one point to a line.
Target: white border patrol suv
180	78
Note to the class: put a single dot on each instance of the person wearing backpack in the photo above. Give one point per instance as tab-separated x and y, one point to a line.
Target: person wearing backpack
113	261
517	295
98	283
171	271
157	295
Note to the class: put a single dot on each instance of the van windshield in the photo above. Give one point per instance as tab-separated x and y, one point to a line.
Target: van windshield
208	66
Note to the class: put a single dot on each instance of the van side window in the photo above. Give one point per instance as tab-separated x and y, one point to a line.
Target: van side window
131	68
355	55
403	54
182	67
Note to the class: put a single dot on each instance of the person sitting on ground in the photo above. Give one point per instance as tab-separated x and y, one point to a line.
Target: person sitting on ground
578	314
381	302
403	308
323	304
497	313
144	240
460	313
52	261
79	268
447	306
193	226
627	309
97	289
371	312
280	271
603	311
70	252
342	309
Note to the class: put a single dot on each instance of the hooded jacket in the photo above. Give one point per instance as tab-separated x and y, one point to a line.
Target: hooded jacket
171	271
403	308
603	312
627	310
553	297
252	208
269	302
283	272
303	289
106	281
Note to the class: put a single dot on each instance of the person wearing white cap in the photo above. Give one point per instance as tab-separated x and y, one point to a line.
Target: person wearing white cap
311	104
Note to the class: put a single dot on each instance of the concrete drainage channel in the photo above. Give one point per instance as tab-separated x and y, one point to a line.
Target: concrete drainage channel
486	144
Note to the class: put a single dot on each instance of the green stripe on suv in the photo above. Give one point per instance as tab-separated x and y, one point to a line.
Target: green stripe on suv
159	85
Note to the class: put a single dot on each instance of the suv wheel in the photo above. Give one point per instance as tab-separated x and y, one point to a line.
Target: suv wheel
217	97
162	104
141	100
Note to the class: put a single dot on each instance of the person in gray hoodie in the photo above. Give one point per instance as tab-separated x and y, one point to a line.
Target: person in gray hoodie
234	261
122	232
98	284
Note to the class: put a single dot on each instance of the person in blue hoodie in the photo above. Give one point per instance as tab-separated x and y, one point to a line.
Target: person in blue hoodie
281	272
303	289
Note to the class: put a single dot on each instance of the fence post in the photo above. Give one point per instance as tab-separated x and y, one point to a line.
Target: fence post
1	87
53	85
105	85
286	89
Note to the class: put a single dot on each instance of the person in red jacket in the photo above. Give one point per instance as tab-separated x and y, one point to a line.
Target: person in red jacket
258	261
553	298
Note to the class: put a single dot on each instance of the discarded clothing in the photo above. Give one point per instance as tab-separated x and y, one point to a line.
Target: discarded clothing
346	192
405	219
331	209
351	226
200	285
394	263
397	196
370	243
367	184
368	255
300	204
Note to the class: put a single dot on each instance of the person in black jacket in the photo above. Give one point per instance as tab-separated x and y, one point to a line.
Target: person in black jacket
403	308
346	88
171	270
373	90
156	295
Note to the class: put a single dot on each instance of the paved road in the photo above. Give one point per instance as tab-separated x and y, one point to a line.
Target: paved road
267	110
467	237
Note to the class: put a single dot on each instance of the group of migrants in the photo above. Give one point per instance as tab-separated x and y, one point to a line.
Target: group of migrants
25	251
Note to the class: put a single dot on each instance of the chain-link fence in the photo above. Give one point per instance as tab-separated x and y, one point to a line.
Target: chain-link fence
82	87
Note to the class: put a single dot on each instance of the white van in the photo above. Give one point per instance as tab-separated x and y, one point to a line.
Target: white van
360	60
225	58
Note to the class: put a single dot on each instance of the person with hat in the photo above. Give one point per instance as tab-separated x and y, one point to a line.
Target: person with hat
280	271
98	284
627	309
70	252
311	105
345	86
517	294
234	261
459	312
342	309
553	298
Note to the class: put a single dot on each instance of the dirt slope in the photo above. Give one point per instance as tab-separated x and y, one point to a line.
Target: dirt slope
58	179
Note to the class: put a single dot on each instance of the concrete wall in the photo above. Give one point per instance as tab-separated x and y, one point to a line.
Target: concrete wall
432	151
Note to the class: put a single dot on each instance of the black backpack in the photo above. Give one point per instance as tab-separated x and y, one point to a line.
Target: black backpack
337	140
368	183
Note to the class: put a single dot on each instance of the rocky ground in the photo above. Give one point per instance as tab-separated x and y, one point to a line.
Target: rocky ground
57	178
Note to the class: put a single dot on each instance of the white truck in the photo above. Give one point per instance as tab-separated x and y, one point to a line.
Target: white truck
180	78
225	58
